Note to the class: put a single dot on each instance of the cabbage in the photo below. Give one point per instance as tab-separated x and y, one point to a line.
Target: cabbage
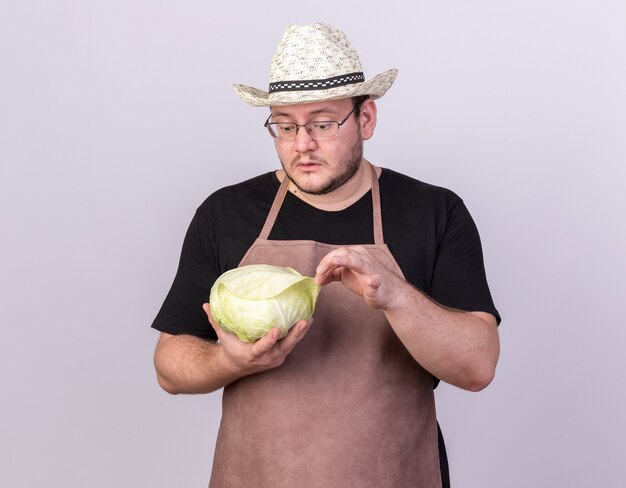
250	300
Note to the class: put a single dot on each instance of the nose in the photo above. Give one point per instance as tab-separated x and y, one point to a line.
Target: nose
303	141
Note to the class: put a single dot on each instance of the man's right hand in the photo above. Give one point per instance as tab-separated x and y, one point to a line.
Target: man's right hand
189	364
245	358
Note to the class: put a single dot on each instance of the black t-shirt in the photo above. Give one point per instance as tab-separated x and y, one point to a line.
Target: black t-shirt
427	228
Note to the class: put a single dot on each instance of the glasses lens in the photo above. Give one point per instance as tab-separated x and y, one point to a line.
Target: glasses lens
281	130
322	130
316	130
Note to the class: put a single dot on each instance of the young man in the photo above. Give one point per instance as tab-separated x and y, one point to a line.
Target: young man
345	399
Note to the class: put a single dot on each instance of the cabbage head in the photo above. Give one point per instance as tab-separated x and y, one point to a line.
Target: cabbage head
250	300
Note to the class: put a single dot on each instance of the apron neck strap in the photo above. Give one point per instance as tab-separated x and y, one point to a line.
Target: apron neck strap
377	214
273	213
282	192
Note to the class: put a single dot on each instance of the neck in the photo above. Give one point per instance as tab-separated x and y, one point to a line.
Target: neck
342	197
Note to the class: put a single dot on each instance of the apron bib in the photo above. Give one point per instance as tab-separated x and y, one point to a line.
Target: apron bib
349	407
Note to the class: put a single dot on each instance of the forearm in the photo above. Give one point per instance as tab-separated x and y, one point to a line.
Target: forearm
460	348
188	364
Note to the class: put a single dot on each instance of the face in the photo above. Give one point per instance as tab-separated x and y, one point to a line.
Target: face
320	167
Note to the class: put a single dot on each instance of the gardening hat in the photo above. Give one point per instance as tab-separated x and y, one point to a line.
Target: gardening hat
314	63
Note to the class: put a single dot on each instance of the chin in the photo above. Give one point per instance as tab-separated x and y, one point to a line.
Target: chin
313	184
314	189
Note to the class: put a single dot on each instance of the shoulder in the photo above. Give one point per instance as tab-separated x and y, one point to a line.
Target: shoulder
252	192
228	221
400	189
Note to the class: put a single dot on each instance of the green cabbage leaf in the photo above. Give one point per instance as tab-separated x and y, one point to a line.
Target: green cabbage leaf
250	300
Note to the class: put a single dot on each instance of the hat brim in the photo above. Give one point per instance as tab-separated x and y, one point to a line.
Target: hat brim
375	87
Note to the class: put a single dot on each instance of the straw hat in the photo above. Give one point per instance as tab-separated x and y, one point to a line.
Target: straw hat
313	63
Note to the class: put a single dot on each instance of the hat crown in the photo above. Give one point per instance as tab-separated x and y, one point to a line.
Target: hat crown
313	52
315	63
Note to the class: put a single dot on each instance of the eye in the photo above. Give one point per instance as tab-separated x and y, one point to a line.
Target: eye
286	128
322	126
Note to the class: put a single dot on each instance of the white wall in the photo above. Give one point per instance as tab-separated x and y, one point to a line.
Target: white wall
115	123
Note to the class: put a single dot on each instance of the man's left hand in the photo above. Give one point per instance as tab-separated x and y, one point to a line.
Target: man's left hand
362	273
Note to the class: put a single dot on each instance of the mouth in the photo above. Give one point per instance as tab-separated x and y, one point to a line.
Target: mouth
307	166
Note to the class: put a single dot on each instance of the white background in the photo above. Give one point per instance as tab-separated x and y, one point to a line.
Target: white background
117	119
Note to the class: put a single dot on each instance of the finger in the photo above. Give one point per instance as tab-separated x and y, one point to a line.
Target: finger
207	309
300	329
354	260
328	268
265	343
374	281
295	335
330	275
218	330
338	267
222	336
327	261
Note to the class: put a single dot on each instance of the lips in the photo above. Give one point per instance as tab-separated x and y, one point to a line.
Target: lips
307	166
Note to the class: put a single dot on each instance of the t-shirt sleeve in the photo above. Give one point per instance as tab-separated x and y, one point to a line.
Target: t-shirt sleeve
181	312
459	280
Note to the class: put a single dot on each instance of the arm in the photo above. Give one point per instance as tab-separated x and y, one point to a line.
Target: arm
460	348
188	364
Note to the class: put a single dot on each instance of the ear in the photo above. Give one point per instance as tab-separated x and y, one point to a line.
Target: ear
367	119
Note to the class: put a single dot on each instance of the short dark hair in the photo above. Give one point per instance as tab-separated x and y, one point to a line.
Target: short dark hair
357	102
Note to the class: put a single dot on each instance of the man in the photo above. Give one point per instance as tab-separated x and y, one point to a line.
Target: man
346	399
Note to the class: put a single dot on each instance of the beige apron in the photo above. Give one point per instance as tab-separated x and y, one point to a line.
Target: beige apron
349	407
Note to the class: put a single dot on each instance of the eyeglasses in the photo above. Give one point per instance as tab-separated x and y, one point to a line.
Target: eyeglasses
322	130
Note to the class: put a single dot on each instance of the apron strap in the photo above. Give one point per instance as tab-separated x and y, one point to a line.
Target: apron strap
282	192
378	218
273	213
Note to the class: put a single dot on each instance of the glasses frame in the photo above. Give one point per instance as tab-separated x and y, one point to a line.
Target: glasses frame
276	136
